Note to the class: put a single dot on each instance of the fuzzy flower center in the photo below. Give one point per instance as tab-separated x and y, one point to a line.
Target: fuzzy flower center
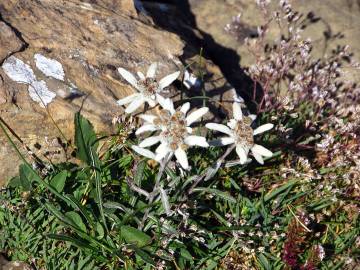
149	86
174	128
244	134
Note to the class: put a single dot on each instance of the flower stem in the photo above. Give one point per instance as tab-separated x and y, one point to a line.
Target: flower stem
211	170
137	189
156	189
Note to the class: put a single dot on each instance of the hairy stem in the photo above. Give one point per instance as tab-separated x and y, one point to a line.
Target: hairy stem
156	188
206	174
137	189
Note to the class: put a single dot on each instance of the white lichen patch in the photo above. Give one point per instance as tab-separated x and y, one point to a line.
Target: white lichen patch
40	93
18	71
50	67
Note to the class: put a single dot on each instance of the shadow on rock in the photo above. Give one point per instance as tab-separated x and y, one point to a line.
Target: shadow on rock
177	17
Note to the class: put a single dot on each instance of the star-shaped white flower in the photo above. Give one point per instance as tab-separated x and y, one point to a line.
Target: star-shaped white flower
241	134
175	133
148	88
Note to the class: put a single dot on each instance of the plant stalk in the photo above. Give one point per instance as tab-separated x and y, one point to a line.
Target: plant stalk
216	165
156	190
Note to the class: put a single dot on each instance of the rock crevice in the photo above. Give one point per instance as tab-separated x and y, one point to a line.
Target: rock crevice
22	45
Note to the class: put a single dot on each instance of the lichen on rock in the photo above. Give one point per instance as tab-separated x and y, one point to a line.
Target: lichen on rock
18	71
50	67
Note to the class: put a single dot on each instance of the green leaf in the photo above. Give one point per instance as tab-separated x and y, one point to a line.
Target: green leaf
186	254
211	264
15	182
76	220
139	174
90	266
86	143
85	139
145	256
26	177
113	205
83	262
68	220
125	161
98	182
100	230
278	190
135	236
58	182
77	242
221	194
55	212
220	218
77	205
264	262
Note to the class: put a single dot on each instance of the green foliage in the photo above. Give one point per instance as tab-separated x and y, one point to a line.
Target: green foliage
25	177
58	181
87	217
134	236
85	140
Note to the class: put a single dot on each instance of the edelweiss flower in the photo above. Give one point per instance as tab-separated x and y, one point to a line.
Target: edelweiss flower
147	86
175	132
242	135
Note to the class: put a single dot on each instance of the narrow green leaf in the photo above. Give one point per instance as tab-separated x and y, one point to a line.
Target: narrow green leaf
54	211
26	177
70	223
77	242
58	181
100	230
221	194
135	236
264	262
76	219
90	266
15	182
83	262
77	205
220	218
145	256
278	190
86	143
114	205
186	254
98	183
139	174
85	138
125	161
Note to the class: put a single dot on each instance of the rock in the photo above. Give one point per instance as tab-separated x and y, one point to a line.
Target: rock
3	261
3	94
223	60
70	51
15	265
9	42
203	22
73	50
341	16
